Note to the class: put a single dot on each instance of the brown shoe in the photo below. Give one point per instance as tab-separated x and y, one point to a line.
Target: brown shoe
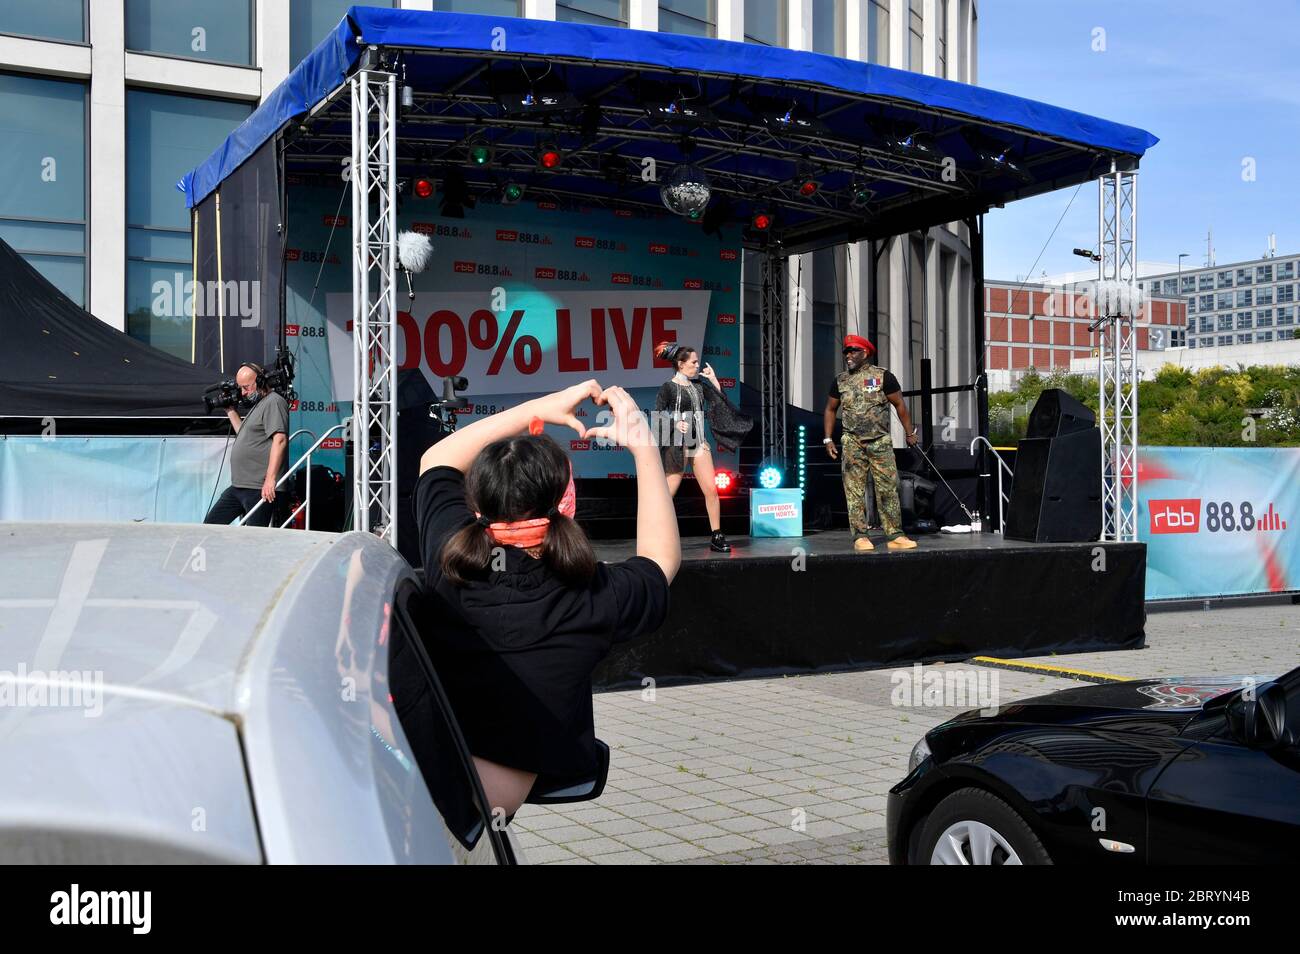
901	543
863	544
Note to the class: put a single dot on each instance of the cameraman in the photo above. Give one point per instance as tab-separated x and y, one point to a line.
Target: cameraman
258	457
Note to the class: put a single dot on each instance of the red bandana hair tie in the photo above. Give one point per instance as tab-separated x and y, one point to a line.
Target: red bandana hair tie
531	532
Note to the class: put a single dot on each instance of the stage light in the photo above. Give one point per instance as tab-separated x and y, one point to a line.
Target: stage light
532	102
511	193
770	477
408	97
423	188
686	191
761	221
1089	254
802	458
860	195
791	122
724	481
549	156
480	154
808	188
456	196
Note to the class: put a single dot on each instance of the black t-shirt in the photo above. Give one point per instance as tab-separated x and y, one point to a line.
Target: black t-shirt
891	385
515	652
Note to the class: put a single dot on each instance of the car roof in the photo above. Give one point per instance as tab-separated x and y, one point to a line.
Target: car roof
166	610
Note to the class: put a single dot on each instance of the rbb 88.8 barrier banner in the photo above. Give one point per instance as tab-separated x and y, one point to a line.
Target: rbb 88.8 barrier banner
1219	521
521	300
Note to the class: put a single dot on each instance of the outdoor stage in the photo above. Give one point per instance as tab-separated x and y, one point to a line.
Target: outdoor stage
811	604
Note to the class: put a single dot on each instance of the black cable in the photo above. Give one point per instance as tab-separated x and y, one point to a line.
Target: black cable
219	467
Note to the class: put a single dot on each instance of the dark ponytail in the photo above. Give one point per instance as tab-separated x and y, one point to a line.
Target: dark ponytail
466	555
518	478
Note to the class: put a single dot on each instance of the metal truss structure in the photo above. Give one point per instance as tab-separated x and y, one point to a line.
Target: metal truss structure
374	302
1117	305
772	329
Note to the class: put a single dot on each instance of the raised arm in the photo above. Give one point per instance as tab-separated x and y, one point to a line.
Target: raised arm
459	449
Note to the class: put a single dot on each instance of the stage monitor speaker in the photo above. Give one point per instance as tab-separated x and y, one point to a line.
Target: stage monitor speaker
416	432
1056	493
1056	413
915	499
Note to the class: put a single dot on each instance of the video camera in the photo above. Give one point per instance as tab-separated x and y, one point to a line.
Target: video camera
279	378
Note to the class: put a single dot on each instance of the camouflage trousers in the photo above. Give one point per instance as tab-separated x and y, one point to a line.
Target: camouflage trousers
876	458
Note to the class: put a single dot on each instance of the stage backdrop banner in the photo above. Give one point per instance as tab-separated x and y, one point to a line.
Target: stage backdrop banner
521	300
1219	521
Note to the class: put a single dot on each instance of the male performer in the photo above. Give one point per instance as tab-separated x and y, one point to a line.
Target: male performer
258	457
866	391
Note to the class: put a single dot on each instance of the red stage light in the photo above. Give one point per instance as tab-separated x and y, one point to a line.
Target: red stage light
423	188
549	157
761	221
808	188
724	480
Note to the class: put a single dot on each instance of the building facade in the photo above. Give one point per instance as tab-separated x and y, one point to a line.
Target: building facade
1245	303
1048	328
104	104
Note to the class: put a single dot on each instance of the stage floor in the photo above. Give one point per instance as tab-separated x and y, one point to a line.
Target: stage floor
828	543
781	605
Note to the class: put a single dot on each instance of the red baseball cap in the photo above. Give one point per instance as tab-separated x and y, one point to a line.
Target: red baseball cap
857	341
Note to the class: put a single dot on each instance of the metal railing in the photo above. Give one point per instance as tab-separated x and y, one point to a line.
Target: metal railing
1003	499
304	460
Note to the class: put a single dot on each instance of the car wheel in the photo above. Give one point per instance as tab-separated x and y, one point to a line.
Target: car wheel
975	827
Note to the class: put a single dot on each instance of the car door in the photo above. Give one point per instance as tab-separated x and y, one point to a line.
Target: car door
1220	802
436	742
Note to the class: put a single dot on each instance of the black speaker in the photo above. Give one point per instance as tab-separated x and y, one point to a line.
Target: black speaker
1056	492
1056	413
916	501
416	431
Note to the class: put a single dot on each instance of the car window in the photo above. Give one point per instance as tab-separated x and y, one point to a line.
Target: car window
436	743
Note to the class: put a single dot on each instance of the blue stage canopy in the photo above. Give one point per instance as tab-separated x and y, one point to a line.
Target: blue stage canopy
888	150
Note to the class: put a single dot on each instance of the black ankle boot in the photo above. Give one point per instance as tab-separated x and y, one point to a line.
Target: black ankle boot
719	543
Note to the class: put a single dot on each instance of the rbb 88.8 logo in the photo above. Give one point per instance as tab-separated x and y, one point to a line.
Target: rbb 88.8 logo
1221	517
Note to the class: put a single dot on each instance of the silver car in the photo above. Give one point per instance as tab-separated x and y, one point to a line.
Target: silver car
179	693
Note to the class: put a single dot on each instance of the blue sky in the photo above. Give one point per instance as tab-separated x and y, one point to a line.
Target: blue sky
1217	82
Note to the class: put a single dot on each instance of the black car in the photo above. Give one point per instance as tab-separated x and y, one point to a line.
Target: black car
1155	771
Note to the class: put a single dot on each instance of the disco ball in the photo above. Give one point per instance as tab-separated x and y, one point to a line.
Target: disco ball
686	191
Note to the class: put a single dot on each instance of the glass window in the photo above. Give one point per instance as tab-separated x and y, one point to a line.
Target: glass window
1171	286
1204	281
1285	334
1243	276
1225	322
1243	297
1285	293
1207	323
941	36
1285	271
877	12
493	8
1245	339
43	177
46	19
1207	302
828	27
1286	316
693	17
1189	284
596	12
311	20
1191	305
1245	319
1225	279
1264	318
1264	336
1225	340
1264	296
915	27
1191	342
166	136
1263	273
1224	300
765	22
217	30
